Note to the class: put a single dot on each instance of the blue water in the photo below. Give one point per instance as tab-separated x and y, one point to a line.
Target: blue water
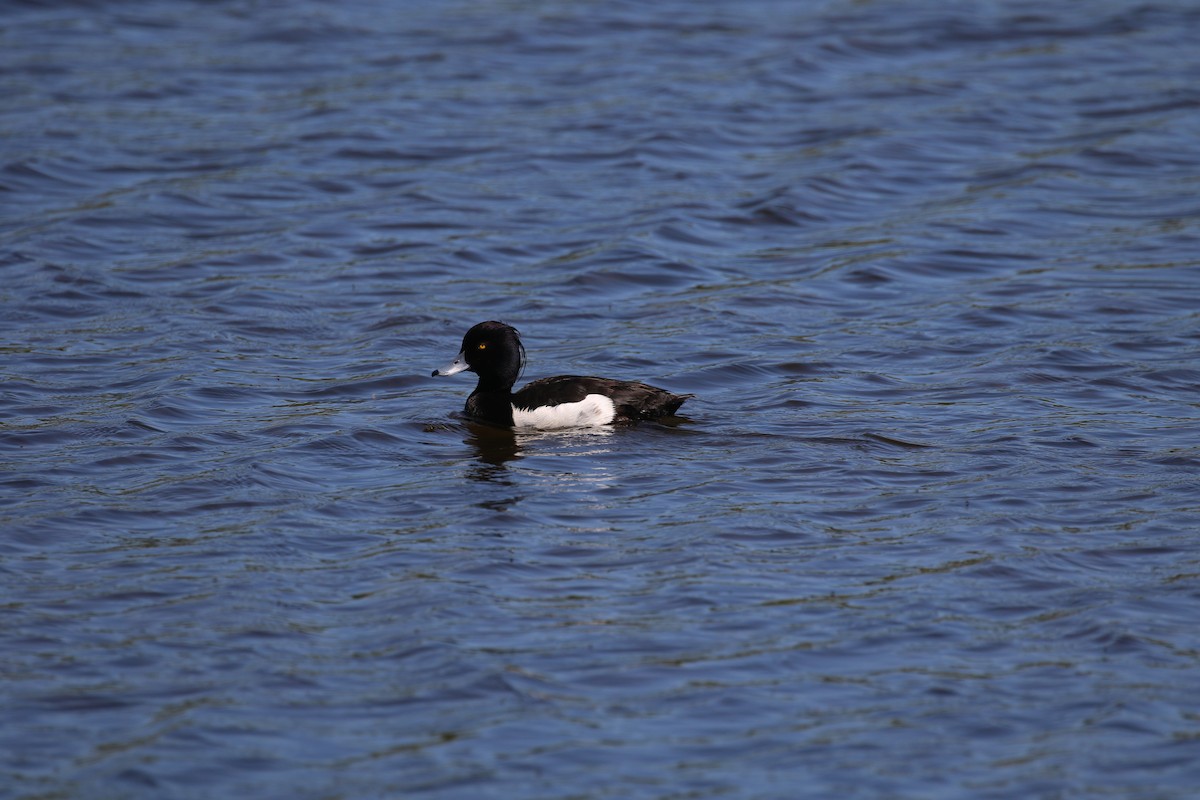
928	528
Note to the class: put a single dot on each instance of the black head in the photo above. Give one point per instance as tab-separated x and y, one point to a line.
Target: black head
493	351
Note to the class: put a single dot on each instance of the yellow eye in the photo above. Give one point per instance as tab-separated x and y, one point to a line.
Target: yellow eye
483	345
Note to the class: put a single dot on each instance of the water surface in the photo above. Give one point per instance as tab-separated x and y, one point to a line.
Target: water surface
926	530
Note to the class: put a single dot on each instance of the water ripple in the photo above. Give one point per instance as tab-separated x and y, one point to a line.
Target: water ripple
925	528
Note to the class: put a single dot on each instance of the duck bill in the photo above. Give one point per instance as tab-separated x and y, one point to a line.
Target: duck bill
459	364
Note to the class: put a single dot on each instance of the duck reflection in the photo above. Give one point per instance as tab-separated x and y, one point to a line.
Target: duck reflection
495	447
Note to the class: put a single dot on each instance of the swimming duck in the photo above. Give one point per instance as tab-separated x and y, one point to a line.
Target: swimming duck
493	351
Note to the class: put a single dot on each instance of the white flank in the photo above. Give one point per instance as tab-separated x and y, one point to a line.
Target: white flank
595	409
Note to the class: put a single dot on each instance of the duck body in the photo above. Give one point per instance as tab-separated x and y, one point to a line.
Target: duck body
493	351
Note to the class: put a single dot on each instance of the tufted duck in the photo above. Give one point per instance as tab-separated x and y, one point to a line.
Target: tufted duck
493	351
